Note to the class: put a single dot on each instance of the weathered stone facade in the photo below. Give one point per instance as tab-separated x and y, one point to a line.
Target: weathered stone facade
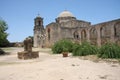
68	27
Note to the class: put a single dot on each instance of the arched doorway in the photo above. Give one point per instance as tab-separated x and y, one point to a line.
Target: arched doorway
76	35
105	33
93	36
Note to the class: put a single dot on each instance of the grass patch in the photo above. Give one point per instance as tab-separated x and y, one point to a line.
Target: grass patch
109	50
84	49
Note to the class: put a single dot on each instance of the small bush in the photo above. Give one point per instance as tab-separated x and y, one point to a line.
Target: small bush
76	50
62	45
57	48
2	52
109	50
84	49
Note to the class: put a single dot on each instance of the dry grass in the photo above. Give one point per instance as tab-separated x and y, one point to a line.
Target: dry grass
45	50
7	63
94	58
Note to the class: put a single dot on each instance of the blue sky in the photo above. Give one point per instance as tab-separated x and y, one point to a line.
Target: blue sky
20	14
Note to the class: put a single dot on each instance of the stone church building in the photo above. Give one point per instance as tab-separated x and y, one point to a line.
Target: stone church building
66	26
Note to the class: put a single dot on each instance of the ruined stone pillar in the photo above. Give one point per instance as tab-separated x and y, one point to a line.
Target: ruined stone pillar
98	36
28	44
29	40
112	36
28	53
88	35
25	45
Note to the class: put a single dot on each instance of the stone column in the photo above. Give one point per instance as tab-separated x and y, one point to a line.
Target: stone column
29	41
28	44
112	36
88	35
25	45
98	36
80	36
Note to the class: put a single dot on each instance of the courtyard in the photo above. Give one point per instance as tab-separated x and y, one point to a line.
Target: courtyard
54	67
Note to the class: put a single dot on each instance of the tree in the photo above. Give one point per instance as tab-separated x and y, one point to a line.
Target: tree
3	34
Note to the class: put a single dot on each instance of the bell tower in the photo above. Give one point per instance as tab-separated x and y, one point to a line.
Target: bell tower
38	31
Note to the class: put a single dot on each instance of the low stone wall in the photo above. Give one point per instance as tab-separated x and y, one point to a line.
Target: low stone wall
28	55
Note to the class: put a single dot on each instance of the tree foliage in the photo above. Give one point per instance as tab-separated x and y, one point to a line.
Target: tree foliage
3	34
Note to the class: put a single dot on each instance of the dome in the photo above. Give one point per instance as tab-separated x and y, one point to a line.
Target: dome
65	14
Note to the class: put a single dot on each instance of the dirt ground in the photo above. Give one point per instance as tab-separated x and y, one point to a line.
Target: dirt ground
55	67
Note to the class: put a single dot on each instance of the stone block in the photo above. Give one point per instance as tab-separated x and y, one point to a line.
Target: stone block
28	55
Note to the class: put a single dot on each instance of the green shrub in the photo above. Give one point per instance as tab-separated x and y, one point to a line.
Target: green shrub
84	49
2	52
62	45
109	50
57	48
76	49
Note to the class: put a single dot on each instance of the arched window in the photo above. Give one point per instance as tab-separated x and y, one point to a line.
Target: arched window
48	33
105	32
83	34
39	22
76	35
102	32
93	36
117	30
93	33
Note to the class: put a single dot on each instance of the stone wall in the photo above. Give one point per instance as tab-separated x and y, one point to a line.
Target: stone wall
52	34
77	30
106	32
